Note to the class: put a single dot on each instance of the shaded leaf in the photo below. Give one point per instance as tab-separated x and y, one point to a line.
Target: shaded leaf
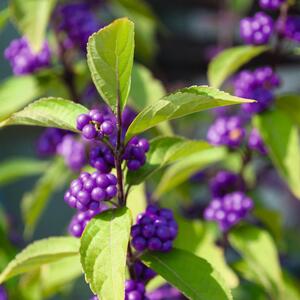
110	59
103	253
39	253
229	61
290	104
48	112
179	104
192	275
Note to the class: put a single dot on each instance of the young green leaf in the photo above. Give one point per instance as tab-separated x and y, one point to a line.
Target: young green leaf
103	253
281	137
48	112
259	253
165	150
32	18
13	97
110	59
16	168
39	253
34	202
192	275
179	104
137	200
290	104
201	242
229	61
181	171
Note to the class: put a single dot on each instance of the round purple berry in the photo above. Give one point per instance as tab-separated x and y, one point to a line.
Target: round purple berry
271	4
256	143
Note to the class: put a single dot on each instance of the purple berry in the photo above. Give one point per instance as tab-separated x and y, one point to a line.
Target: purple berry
82	120
289	28
257	30
89	131
3	294
271	4
165	292
228	210
107	128
134	290
143	273
155	230
227	131
256	143
23	60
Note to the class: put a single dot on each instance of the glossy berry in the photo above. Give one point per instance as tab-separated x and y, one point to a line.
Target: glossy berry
165	292
23	60
81	219
227	131
128	116
229	210
289	28
96	124
135	153
155	230
49	140
73	151
78	22
3	293
142	272
257	30
134	290
88	190
271	4
226	182
256	143
101	158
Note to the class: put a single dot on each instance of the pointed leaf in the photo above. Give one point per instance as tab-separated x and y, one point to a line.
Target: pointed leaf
13	97
165	150
16	168
110	59
192	275
32	18
281	137
48	112
103	253
40	253
180	104
229	61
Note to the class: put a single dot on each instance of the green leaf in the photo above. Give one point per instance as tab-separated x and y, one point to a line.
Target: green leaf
55	276
290	104
4	17
201	242
281	137
181	171
192	275
13	97
35	201
137	200
180	104
229	61
259	253
103	253
48	112
32	18
39	253
110	59
165	150
16	168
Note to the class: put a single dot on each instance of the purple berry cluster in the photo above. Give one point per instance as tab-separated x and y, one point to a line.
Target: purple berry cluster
226	182
49	140
271	4
257	30
88	190
23	60
78	22
256	143
81	219
165	292
290	28
228	210
135	290
258	85
101	158
135	153
3	294
96	124
73	151
227	131
142	272
155	230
